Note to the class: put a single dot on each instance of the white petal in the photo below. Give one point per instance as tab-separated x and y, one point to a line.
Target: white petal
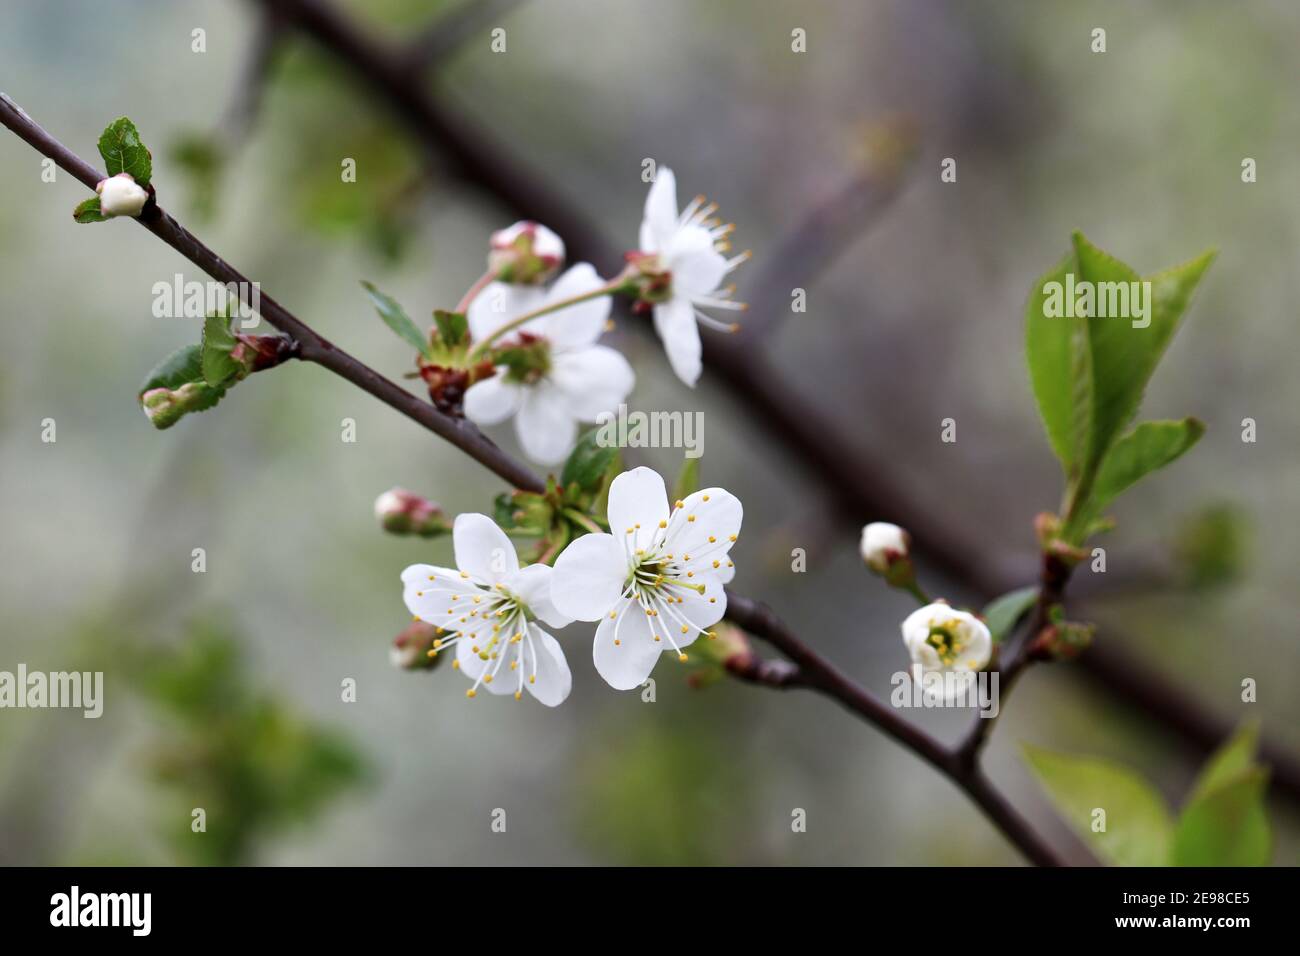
661	207
589	577
717	514
493	400
628	663
428	591
576	326
482	549
593	380
498	303
544	659
696	612
637	503
545	426
532	585
697	268
675	323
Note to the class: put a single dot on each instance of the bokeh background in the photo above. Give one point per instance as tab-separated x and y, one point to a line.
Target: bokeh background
224	687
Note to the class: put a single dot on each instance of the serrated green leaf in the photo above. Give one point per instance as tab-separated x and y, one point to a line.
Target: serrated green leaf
1137	825
89	211
453	327
1147	448
1226	825
219	367
688	479
1002	613
588	461
123	151
176	387
1057	355
395	318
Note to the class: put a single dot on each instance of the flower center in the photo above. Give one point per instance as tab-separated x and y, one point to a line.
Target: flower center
946	642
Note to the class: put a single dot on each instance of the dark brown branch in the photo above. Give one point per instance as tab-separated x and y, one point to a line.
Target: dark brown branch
812	670
818	673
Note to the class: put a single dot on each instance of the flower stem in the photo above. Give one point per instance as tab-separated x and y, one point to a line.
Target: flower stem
914	589
611	288
580	519
471	294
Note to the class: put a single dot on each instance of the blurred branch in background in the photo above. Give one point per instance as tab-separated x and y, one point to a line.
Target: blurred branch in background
857	482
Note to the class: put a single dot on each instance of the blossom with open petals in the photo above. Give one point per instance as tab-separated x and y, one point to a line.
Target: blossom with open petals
490	608
655	582
941	639
558	376
682	266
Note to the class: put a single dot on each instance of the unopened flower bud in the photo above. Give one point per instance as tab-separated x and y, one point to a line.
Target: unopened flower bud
166	406
526	253
120	195
403	512
1063	640
883	544
414	649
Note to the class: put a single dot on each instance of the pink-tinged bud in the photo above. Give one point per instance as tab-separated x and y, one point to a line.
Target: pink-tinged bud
414	649
120	195
526	253
404	512
883	545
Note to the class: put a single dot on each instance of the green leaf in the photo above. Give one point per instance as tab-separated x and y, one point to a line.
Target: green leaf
219	367
1227	824
1147	448
396	319
124	153
177	387
1233	756
88	211
588	461
453	327
1002	613
1057	353
1117	350
688	479
1137	821
183	366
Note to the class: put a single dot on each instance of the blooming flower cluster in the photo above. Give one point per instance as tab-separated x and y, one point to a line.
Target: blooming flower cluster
538	334
655	584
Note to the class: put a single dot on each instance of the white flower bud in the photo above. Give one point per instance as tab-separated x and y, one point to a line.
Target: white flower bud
120	195
526	253
942	639
882	544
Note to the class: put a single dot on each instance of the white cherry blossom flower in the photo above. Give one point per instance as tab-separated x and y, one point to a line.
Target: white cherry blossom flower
656	582
682	262
121	195
563	377
943	640
490	608
883	543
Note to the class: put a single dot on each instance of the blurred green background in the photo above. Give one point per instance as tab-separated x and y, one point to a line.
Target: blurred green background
224	688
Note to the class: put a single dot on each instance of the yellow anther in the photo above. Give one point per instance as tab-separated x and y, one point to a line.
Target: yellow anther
656	637
613	615
431	577
682	658
487	678
705	498
679	503
731	537
532	678
713	600
663	524
685	629
471	692
712	539
690	574
519	695
686	557
690	517
419	594
465	575
437	644
455	665
617	642
713	635
415	617
717	563
432	652
441	630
